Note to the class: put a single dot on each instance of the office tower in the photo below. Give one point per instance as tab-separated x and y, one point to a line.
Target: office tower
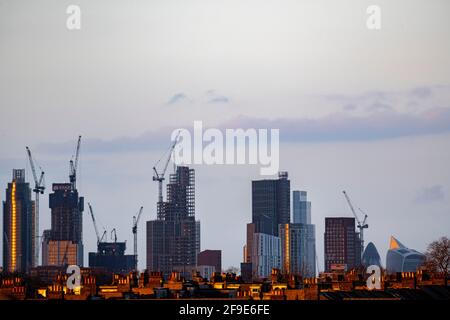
271	204
298	250
270	208
370	256
173	239
400	258
302	207
18	225
211	258
111	257
63	244
298	239
342	244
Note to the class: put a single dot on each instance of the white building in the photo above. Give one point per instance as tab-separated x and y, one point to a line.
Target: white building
266	254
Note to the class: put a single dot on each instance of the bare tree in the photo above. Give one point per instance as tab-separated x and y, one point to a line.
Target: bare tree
438	257
232	269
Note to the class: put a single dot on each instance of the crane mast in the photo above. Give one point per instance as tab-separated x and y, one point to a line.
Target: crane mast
113	231
39	187
361	225
94	222
134	230
159	176
74	166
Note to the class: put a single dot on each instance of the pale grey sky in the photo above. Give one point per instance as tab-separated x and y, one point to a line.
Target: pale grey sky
366	111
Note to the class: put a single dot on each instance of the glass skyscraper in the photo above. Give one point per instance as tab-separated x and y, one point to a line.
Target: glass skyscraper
18	225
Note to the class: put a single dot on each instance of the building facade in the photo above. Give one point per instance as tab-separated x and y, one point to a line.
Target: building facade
271	204
303	258
173	239
400	258
370	256
301	207
266	254
211	258
342	244
298	250
63	243
18	225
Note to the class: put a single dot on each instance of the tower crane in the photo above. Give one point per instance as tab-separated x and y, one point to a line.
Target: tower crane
159	176
74	166
104	236
65	261
40	243
113	231
39	187
361	225
134	230
95	223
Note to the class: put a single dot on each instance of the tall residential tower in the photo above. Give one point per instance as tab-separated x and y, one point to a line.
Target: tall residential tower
18	225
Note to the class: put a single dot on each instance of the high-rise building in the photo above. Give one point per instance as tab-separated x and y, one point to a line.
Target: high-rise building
302	207
400	258
18	225
173	239
298	239
271	204
63	243
211	258
370	256
270	207
298	250
342	244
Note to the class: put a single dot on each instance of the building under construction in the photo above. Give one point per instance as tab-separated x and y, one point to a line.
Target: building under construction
111	257
173	239
63	243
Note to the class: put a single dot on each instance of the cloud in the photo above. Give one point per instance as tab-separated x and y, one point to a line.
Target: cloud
338	127
344	127
210	96
416	100
213	97
430	194
349	107
422	92
177	98
378	106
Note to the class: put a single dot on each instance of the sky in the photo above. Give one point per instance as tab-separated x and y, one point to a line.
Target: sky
366	111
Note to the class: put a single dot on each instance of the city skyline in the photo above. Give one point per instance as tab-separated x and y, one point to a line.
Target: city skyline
294	215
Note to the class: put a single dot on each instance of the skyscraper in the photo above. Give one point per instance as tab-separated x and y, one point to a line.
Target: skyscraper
370	256
270	208
342	244
63	244
173	239
271	204
298	250
302	207
302	239
18	225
